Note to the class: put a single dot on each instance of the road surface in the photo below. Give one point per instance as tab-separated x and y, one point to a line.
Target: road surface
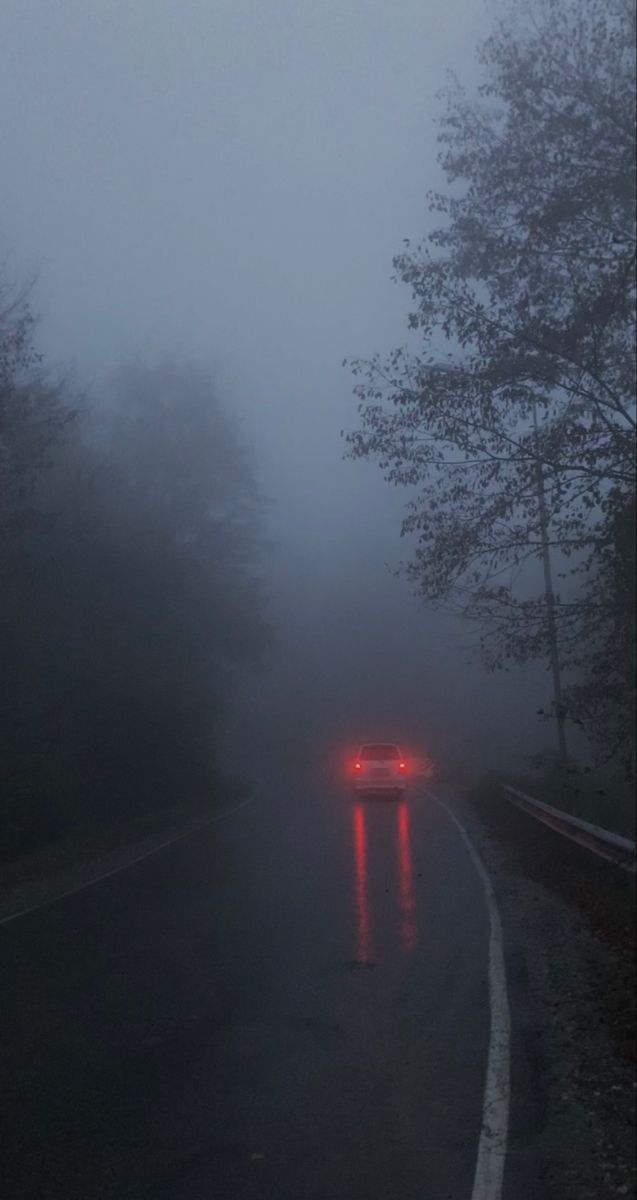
292	1004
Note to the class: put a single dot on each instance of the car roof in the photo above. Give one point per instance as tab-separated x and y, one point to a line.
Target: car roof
367	745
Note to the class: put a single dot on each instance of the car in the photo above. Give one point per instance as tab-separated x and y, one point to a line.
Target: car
379	767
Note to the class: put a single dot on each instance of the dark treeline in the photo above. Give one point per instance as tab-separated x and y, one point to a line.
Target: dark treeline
130	537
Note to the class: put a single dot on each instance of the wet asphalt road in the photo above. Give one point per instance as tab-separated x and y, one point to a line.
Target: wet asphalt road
291	1004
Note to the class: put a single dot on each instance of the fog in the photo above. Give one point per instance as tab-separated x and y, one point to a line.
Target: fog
227	182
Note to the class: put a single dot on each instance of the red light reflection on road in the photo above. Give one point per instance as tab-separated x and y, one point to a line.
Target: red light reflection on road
363	949
408	928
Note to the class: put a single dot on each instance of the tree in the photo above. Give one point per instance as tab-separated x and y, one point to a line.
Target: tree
191	481
602	697
33	416
524	310
33	412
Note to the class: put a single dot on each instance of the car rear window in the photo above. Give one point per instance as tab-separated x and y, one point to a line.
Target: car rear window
377	753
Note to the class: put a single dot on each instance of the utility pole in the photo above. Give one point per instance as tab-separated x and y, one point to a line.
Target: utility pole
550	599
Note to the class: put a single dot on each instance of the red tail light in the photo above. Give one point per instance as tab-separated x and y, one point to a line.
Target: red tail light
402	766
357	766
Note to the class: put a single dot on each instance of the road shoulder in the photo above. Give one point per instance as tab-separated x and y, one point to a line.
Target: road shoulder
570	965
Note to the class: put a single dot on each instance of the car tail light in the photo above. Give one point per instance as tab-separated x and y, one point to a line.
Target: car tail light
402	766
357	766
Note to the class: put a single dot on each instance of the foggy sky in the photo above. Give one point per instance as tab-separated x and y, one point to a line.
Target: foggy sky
228	180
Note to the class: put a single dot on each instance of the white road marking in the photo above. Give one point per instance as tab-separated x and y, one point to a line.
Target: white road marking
492	1146
80	887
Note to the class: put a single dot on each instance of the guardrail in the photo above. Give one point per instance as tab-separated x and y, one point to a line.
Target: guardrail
611	846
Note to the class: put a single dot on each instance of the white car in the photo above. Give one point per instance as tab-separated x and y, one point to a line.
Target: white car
379	768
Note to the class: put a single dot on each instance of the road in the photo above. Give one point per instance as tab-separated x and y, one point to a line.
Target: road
291	1004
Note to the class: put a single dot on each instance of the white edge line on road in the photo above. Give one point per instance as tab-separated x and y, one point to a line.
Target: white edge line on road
492	1146
80	887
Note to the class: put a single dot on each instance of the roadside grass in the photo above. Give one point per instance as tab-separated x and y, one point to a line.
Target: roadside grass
80	845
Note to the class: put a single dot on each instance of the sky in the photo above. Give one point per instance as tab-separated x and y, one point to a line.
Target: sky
228	180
